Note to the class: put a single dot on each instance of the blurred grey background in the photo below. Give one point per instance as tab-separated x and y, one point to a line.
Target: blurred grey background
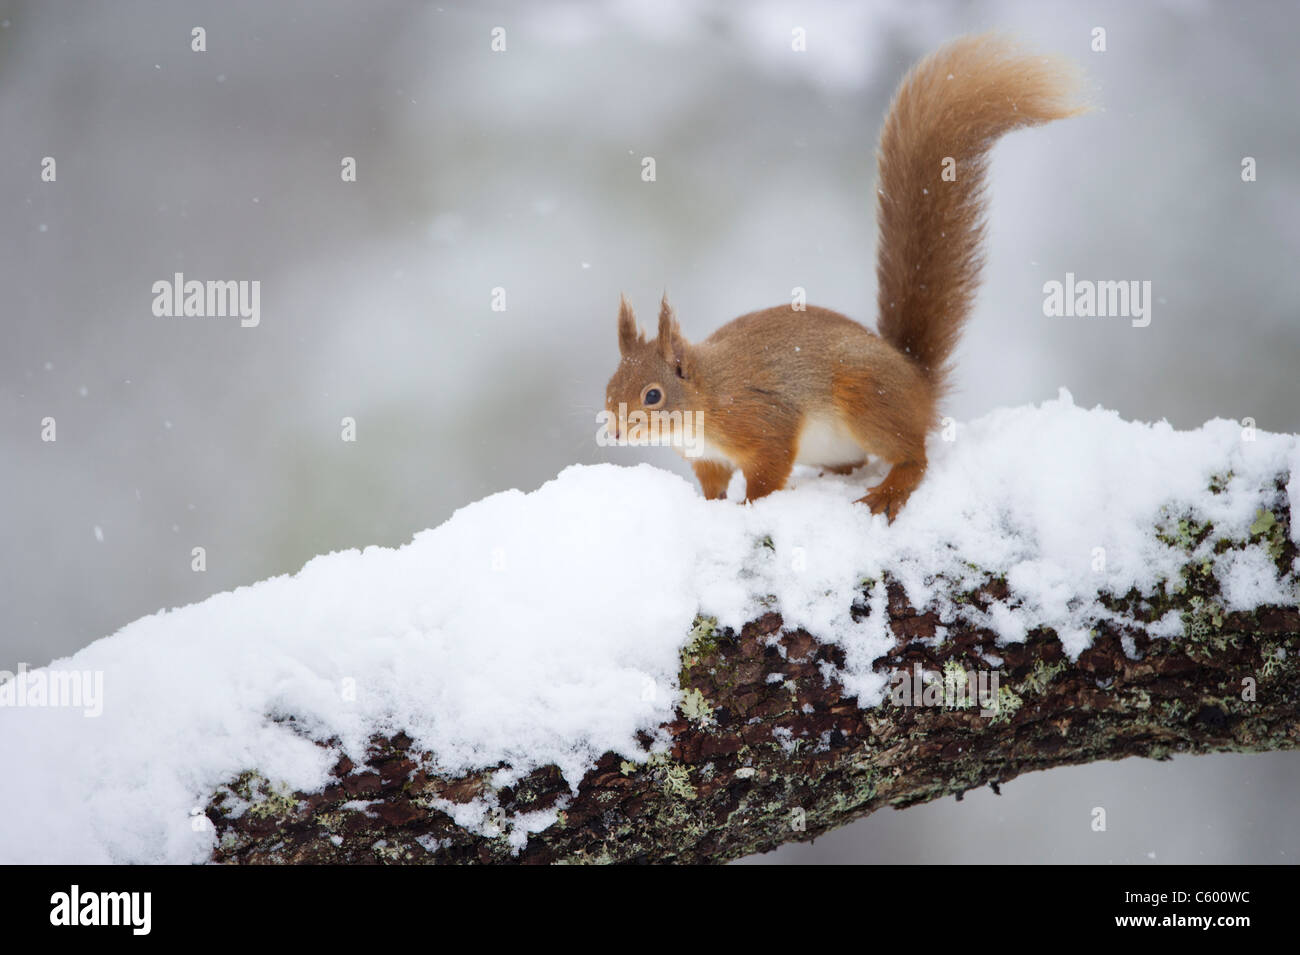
521	169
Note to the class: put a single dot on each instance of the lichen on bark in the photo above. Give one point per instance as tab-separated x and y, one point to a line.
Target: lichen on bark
767	748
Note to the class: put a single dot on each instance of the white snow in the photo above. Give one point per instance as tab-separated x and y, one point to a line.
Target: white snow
546	627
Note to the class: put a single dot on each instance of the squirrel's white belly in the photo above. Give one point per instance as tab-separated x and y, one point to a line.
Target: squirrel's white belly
824	441
706	450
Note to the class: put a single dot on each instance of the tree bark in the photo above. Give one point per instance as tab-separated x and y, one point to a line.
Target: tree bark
765	750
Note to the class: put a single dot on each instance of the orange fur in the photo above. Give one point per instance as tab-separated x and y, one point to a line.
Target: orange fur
779	387
955	104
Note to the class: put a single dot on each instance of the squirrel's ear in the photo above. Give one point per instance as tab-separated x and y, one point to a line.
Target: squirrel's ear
628	336
672	344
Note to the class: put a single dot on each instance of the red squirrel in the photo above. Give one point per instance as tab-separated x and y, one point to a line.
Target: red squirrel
781	387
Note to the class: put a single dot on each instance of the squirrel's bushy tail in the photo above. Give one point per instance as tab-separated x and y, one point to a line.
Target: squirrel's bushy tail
947	114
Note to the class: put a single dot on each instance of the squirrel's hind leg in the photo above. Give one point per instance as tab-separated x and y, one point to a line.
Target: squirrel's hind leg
889	416
889	496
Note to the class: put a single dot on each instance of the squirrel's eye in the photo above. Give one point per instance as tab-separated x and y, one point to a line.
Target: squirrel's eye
652	397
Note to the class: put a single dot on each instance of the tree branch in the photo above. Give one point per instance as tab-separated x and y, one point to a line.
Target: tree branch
766	750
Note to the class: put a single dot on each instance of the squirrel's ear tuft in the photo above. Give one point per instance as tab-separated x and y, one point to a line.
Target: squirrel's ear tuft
628	336
672	344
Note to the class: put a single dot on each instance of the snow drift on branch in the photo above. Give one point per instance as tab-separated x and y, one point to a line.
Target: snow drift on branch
541	628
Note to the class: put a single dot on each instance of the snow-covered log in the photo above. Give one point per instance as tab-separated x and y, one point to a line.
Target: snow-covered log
611	668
